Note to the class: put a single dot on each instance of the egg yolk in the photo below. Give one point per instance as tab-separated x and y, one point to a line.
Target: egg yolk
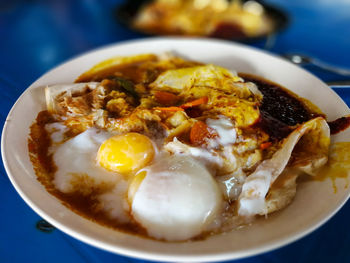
125	153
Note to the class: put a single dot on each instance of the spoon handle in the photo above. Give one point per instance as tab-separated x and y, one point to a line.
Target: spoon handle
339	84
331	68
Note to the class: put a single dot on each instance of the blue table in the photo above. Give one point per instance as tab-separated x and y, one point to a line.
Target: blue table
38	35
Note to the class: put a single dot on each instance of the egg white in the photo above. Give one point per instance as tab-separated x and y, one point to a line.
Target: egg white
178	198
77	157
225	129
115	204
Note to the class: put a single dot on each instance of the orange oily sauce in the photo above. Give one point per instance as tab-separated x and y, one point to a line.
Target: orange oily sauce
338	165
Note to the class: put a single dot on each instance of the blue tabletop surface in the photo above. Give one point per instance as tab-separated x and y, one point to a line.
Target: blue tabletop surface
35	36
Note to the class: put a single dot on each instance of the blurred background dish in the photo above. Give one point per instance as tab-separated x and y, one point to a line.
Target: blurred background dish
241	20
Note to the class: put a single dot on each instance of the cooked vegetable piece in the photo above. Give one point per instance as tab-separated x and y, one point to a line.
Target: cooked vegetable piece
126	85
166	98
168	108
265	145
194	103
200	132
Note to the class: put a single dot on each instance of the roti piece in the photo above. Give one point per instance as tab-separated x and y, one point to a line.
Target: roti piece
252	200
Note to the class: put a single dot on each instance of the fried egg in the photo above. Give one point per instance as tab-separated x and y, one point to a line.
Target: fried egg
76	165
207	76
176	198
97	161
125	153
98	157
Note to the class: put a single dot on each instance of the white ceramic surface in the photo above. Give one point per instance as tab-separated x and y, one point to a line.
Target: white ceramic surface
314	204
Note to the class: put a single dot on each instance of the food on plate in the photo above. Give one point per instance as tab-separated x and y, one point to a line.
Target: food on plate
217	18
173	149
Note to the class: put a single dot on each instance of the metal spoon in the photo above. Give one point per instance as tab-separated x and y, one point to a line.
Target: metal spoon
301	60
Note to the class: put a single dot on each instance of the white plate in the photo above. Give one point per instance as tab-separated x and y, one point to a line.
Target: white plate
314	204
